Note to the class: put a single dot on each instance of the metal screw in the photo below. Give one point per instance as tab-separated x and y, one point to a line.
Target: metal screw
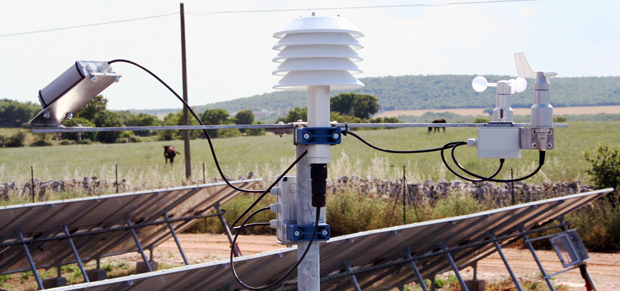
116	79
336	135
297	233
46	114
93	78
69	115
306	135
325	232
534	145
549	145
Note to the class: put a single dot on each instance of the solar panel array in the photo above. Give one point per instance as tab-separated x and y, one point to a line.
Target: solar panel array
98	214
365	251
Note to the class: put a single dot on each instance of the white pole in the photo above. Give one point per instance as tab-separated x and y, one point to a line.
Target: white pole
308	272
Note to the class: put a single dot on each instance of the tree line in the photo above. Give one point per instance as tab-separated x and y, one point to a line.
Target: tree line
443	92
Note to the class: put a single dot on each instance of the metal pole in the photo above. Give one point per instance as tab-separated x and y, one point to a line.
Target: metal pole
135	238
404	203
542	270
77	256
34	269
456	272
417	272
353	278
188	158
174	235
308	270
116	167
227	230
32	185
501	254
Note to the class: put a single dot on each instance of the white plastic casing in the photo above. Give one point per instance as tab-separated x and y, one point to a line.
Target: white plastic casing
285	207
499	143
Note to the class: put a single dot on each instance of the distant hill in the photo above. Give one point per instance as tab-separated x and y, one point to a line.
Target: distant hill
434	92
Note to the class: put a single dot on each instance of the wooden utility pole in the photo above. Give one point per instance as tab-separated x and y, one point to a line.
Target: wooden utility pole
188	157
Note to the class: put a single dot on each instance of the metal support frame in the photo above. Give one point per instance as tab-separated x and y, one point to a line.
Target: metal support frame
540	266
227	230
416	271
77	256
501	254
347	265
174	235
456	271
32	266
135	238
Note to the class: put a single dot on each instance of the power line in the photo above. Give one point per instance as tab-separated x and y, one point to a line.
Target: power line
361	7
87	25
269	10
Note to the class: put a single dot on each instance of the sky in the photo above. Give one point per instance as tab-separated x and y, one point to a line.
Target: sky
229	52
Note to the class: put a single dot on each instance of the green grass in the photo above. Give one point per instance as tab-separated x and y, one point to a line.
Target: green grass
269	155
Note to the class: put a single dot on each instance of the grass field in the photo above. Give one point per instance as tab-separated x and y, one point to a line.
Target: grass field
268	155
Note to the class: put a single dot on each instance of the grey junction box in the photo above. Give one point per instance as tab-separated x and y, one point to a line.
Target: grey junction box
499	143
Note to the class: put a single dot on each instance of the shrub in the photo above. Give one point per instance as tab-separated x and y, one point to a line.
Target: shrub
84	141
605	172
559	119
16	140
67	142
75	121
4	140
256	131
41	140
481	120
228	132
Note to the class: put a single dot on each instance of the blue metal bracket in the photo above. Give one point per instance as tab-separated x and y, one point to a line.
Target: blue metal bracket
296	232
318	135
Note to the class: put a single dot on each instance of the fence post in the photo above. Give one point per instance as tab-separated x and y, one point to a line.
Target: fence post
512	184
204	177
116	170
404	202
32	179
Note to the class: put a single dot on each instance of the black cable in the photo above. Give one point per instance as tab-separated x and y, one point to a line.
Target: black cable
232	265
541	162
346	132
217	164
271	186
454	144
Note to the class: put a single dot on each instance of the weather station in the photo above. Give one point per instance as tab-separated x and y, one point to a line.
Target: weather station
318	54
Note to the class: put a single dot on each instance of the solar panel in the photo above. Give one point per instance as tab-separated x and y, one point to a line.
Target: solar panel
380	256
97	216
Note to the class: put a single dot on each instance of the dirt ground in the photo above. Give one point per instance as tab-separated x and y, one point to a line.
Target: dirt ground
517	111
605	268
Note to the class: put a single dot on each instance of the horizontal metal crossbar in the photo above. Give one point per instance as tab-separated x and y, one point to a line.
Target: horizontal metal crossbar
432	254
273	127
119	228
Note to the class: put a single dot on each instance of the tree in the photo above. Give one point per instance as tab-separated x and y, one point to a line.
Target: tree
177	119
144	119
92	108
294	115
15	113
244	117
343	103
108	118
256	131
214	117
605	170
365	105
73	135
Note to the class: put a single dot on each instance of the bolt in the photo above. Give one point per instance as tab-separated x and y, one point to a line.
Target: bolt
69	115
297	233
116	79
549	145
93	78
325	232
534	145
46	114
306	136
336	135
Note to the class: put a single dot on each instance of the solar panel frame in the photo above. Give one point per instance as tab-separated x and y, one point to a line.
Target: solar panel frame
358	248
92	214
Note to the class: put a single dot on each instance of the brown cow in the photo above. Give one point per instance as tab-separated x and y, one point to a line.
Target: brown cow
437	128
170	153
